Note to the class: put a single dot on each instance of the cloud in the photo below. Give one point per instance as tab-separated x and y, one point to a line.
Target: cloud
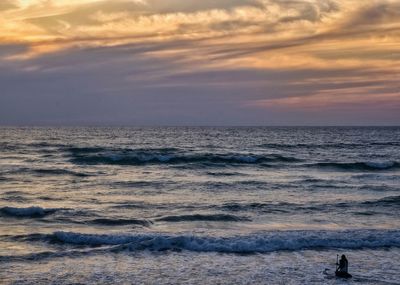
6	5
9	50
190	6
379	12
199	62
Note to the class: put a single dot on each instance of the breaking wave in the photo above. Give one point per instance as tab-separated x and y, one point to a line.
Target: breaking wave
255	243
111	156
168	156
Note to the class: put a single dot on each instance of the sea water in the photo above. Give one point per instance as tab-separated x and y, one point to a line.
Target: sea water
199	205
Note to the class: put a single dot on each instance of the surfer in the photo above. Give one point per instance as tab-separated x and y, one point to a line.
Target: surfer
343	268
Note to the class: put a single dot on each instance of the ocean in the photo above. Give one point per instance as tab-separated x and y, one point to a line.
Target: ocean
199	205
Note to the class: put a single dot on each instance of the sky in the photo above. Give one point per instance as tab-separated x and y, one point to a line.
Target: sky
199	62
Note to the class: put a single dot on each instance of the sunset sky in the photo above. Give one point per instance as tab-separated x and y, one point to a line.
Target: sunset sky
200	62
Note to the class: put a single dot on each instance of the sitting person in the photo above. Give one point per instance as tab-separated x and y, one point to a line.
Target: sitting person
343	265
342	270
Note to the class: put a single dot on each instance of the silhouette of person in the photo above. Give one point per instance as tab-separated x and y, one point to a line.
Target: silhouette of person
343	265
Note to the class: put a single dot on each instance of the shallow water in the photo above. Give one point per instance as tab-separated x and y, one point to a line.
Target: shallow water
198	205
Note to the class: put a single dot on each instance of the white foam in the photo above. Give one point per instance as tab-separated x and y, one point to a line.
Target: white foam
262	242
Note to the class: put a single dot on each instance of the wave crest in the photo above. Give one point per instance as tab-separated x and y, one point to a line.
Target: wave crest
59	172
263	242
203	217
359	166
168	156
30	212
120	222
391	201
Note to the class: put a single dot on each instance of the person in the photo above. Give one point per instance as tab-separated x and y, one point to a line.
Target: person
343	264
343	268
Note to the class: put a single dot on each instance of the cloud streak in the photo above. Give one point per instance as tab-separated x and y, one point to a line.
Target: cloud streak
200	62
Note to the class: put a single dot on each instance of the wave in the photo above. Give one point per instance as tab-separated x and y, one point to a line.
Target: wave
15	198
326	145
358	166
83	150
143	184
388	143
225	173
5	147
258	206
310	145
47	172
119	222
36	256
140	158
375	176
255	243
379	188
111	156
59	172
28	212
47	143
391	201
98	149
39	256
132	205
29	256
203	217
284	207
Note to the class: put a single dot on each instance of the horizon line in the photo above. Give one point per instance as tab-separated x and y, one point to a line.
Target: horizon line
187	126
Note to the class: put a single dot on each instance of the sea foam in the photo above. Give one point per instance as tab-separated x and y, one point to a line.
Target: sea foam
254	243
92	156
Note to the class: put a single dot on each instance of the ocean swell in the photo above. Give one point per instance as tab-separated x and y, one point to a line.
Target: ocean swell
28	212
203	217
255	243
391	201
140	157
55	172
358	166
338	145
120	222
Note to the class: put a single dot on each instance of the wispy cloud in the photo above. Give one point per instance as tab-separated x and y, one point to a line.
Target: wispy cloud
241	58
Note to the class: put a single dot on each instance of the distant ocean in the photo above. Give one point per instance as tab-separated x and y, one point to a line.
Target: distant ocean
199	205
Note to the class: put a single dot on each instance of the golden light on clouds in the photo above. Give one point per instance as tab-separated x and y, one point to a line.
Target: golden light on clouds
358	39
259	25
